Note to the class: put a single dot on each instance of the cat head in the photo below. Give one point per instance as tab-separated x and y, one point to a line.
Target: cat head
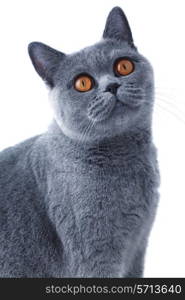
101	91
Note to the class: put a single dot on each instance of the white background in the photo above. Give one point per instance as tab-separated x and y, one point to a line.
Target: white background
159	32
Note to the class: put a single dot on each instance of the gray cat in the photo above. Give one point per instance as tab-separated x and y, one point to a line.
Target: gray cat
80	199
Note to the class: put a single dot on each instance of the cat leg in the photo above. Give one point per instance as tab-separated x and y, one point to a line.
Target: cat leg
136	268
114	263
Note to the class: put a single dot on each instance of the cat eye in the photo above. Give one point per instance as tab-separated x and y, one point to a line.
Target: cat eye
83	83
123	66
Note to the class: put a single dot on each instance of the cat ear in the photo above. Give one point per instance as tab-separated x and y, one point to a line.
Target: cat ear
45	60
117	26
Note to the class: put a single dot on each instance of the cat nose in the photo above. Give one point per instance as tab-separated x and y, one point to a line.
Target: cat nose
112	88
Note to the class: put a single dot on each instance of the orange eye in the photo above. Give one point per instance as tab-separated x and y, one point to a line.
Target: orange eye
83	83
124	66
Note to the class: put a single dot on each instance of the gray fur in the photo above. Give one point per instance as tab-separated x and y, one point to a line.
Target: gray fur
80	199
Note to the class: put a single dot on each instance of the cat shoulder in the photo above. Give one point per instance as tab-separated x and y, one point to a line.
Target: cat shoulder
15	159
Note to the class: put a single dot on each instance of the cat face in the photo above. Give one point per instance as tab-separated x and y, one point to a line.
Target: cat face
101	91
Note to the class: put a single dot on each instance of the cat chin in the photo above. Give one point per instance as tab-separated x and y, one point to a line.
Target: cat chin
67	132
96	136
72	134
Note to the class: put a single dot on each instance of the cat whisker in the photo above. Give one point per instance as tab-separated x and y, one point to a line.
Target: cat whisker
172	105
83	129
87	131
171	98
84	133
170	112
169	89
177	95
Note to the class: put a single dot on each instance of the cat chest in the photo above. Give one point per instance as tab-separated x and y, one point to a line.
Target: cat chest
96	191
93	208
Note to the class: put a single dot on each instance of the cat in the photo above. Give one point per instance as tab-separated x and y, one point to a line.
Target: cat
80	199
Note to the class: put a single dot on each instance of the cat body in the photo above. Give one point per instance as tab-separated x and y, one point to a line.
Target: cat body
80	199
56	229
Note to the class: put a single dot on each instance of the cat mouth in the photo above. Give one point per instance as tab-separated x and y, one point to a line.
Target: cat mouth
119	103
119	107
